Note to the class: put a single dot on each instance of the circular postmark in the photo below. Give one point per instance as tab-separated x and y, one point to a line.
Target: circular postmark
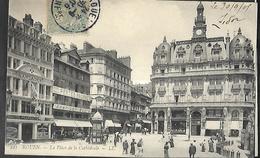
75	15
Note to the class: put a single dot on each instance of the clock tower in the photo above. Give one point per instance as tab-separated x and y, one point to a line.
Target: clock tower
200	28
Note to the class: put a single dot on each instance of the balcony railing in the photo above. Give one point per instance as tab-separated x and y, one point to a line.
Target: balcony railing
197	88
247	86
217	87
236	86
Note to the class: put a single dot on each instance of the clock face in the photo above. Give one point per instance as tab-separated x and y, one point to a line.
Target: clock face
199	32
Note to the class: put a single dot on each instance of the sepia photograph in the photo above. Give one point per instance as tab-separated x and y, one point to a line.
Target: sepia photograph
132	78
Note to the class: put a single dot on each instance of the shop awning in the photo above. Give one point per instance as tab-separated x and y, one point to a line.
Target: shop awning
65	123
83	124
137	125
234	125
213	125
109	123
147	121
117	124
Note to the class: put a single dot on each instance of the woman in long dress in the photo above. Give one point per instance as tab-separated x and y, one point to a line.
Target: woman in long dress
166	152
132	149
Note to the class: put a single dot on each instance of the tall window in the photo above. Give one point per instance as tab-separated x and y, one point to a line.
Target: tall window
34	51
15	85
17	45
9	59
41	90
25	87
235	114
43	54
47	109
48	56
27	108
26	48
14	107
10	41
16	63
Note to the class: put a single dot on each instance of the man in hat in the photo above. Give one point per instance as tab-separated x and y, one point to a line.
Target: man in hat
125	147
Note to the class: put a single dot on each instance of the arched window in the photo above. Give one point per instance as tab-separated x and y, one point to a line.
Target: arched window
235	114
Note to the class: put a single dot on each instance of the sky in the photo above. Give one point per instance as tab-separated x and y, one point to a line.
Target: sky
135	27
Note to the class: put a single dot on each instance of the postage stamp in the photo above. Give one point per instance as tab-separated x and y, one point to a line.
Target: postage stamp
74	15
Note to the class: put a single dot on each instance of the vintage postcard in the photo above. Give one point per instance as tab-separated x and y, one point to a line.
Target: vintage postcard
132	78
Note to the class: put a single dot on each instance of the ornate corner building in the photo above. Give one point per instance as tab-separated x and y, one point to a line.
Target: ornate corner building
203	85
29	80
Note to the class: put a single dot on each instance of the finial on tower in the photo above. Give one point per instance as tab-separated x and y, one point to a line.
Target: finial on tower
164	39
200	6
239	31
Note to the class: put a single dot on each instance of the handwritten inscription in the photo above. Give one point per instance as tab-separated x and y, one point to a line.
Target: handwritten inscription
233	12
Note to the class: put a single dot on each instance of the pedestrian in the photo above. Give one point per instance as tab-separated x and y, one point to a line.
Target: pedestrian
125	147
211	143
132	149
140	147
192	150
125	132
171	142
203	148
53	137
115	139
166	148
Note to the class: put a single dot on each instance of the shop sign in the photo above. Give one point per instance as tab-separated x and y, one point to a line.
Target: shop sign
69	93
26	117
70	108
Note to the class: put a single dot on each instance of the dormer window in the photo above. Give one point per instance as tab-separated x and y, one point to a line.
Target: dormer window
198	50
162	57
180	56
163	47
216	49
180	52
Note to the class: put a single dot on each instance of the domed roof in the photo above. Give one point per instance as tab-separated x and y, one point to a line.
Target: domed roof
97	116
200	6
164	46
239	41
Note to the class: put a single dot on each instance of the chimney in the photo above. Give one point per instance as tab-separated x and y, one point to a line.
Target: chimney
113	53
28	19
87	46
38	26
126	61
73	46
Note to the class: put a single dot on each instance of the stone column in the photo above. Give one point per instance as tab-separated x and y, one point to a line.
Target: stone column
44	91
20	131
12	63
43	110
156	121
22	46
19	106
169	125
227	121
34	132
50	109
203	121
165	122
12	46
20	90
49	131
240	121
187	121
11	83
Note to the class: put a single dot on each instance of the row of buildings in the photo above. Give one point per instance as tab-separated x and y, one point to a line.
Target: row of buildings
51	88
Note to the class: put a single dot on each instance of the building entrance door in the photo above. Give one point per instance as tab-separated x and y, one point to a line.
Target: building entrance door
195	123
27	132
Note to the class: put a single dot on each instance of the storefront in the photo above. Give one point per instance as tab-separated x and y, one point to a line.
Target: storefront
68	128
147	124
28	128
212	128
179	122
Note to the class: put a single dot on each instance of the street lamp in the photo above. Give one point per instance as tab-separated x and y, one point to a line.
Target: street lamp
8	99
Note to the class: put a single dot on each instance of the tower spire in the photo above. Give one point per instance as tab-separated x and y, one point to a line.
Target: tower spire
239	31
164	39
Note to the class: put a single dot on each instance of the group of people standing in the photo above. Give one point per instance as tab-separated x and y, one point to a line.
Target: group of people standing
166	146
133	145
